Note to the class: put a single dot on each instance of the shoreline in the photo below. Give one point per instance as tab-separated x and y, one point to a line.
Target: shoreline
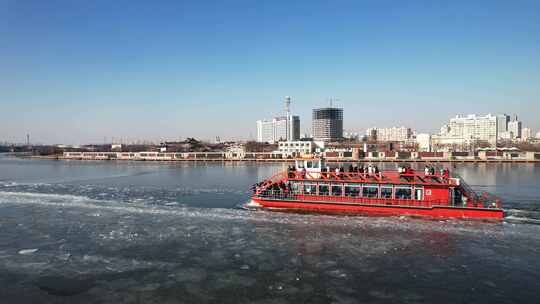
249	160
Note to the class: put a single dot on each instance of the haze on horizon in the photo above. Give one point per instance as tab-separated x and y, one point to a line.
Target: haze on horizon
79	71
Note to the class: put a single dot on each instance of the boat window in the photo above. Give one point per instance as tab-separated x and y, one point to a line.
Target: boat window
352	190
324	189
310	189
296	187
419	194
404	193
309	164
370	191
336	190
386	192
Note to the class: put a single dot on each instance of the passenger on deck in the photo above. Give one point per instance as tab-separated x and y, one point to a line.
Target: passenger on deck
303	172
290	172
446	173
351	169
432	171
426	170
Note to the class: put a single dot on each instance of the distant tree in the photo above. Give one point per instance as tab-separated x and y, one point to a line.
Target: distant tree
253	146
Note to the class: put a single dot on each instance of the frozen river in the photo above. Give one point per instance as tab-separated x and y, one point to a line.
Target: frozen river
120	232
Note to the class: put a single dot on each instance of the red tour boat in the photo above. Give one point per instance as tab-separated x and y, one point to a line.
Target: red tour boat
312	186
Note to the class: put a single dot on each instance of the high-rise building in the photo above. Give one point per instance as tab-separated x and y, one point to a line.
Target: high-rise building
278	129
390	134
502	126
514	128
327	124
471	128
526	134
283	128
424	142
265	131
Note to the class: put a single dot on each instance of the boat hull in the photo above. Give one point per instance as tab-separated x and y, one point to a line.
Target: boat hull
433	211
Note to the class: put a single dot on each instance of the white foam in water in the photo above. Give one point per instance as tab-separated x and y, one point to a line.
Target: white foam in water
27	251
74	201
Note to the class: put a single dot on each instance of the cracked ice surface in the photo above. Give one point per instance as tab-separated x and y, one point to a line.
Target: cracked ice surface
77	249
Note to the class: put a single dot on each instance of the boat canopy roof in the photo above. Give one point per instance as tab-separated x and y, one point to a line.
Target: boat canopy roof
386	177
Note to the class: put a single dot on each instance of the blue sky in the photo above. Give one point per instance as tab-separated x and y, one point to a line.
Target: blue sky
79	71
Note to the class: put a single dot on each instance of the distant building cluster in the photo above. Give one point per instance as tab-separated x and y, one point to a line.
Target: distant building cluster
327	125
468	129
460	133
467	132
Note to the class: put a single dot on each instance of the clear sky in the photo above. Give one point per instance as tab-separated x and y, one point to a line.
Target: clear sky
79	71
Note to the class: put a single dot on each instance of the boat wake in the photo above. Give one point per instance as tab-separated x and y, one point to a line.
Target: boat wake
99	208
522	216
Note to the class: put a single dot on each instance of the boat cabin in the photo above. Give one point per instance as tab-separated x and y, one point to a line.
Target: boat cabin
309	166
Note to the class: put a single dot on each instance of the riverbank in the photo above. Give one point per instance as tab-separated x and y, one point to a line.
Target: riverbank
281	160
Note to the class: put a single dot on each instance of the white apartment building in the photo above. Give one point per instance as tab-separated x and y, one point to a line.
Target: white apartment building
514	128
526	134
502	126
265	131
467	129
296	148
279	128
390	134
424	142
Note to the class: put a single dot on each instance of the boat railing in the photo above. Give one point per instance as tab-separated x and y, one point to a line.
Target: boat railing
289	195
485	200
381	176
276	178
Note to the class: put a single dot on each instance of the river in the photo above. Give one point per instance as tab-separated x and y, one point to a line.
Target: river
146	232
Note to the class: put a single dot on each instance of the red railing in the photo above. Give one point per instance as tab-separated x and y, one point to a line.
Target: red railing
382	177
275	179
291	196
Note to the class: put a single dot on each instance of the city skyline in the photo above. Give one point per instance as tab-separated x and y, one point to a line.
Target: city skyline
77	73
